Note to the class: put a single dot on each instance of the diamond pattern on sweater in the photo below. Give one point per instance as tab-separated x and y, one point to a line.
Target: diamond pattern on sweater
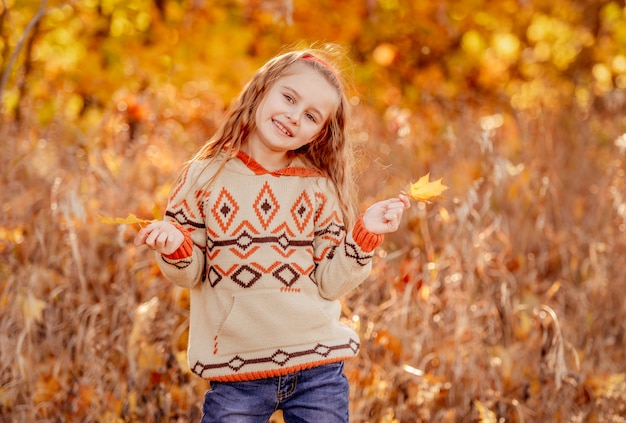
244	240
246	276
354	345
353	251
302	211
179	264
213	276
225	209
266	206
200	196
283	241
286	274
236	363
322	350
183	214
279	357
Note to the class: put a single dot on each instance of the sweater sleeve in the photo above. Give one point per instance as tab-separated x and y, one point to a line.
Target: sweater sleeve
186	248
185	266
343	257
364	238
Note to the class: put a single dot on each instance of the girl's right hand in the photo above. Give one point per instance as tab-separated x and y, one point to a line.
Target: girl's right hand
162	237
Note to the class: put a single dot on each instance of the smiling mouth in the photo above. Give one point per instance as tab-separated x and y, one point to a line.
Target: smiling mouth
282	128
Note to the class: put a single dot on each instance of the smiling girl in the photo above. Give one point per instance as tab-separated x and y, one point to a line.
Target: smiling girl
261	227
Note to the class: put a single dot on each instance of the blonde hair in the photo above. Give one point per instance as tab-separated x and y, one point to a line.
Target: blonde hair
330	152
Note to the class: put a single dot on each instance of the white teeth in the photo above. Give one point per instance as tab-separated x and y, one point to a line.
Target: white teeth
282	128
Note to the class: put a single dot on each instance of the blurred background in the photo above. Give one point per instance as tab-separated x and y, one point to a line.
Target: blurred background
503	302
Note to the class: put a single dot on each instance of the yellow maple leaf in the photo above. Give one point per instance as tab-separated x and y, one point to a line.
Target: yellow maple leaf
424	189
128	220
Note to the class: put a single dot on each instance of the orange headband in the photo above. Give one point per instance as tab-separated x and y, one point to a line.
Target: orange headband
325	64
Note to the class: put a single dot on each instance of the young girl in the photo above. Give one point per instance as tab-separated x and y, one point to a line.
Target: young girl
261	227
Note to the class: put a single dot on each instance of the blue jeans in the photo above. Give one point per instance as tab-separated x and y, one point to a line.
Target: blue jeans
314	395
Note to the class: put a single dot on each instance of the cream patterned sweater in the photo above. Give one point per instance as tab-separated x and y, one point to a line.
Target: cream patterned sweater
266	256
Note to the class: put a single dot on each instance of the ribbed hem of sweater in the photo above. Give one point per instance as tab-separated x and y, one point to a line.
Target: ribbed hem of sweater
364	238
186	248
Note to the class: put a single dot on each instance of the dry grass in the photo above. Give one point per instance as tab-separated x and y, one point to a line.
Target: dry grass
503	301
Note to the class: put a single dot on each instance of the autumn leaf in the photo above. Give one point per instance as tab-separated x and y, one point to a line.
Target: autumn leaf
32	309
425	190
486	415
129	220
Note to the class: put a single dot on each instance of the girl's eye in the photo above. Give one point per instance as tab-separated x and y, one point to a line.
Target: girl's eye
288	98
311	117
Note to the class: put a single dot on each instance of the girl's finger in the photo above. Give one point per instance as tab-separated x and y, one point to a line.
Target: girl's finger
405	201
142	235
153	237
161	240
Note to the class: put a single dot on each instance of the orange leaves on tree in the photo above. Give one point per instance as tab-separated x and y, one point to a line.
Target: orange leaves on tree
128	220
425	190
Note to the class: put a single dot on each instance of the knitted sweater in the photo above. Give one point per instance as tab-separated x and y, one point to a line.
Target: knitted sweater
266	256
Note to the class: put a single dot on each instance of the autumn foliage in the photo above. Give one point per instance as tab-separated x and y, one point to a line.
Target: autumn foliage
502	301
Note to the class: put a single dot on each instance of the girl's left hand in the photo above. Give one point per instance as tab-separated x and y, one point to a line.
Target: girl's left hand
384	217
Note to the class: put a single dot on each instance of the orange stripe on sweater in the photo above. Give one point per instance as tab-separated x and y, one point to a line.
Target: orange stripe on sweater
226	272
244	255
245	224
266	269
280	251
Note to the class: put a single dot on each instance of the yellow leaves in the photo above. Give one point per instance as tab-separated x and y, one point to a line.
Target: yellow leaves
32	309
608	386
523	325
46	388
128	220
425	190
10	237
13	236
485	414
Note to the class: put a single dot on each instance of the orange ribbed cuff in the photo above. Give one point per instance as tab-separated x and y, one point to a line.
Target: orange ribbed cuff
364	238
186	248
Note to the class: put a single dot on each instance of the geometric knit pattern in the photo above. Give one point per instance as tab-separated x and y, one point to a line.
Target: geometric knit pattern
271	257
279	357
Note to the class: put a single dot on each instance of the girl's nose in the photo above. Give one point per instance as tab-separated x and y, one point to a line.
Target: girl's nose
293	117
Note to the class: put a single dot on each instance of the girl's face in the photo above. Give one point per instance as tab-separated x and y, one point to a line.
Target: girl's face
294	110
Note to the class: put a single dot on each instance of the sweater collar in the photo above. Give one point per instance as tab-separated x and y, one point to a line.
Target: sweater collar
292	170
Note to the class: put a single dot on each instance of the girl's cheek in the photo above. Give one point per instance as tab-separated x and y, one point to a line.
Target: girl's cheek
318	130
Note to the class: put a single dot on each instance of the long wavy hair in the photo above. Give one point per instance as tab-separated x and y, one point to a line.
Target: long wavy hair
330	152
